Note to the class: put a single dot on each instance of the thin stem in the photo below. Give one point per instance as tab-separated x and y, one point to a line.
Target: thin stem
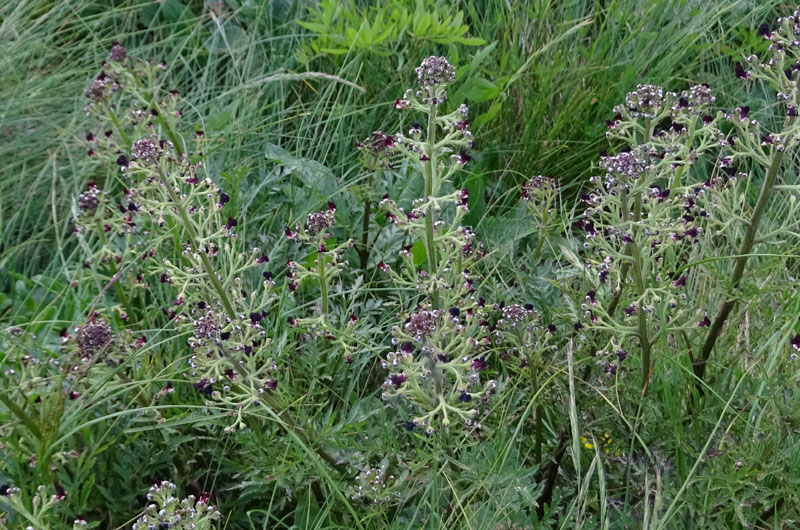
123	297
430	176
699	367
212	275
363	249
323	282
637	276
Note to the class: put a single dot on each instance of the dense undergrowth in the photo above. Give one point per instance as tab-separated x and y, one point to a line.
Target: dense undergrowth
290	265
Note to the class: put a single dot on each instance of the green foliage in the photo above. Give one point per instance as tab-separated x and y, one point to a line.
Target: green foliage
560	432
341	28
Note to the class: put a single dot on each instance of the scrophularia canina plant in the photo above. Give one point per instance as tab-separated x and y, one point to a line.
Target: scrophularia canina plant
642	221
650	215
442	347
376	155
40	509
222	293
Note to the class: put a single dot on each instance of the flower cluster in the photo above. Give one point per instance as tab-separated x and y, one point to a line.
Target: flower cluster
376	486
42	507
167	511
647	214
221	292
439	364
377	150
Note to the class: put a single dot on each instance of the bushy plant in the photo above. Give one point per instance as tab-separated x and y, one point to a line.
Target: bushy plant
431	385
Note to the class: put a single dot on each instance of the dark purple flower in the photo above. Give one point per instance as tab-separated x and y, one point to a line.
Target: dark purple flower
578	326
463	157
796	342
464	397
270	384
454	312
705	322
118	53
231	223
680	282
122	161
203	387
479	364
407	425
763	30
223	198
255	318
225	335
165	278
743	112
741	73
397	380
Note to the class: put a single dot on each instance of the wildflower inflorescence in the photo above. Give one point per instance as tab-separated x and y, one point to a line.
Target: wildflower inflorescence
165	510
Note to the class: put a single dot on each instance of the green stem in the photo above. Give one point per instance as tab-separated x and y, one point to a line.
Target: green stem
699	367
187	223
112	265
323	282
430	176
639	281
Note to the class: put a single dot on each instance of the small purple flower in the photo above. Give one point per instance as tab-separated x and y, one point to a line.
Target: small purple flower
231	223
479	364
397	380
203	387
741	73
464	397
705	322
680	282
118	53
796	342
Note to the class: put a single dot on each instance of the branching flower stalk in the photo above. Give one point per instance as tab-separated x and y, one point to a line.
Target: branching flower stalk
779	72
434	75
376	155
164	191
635	221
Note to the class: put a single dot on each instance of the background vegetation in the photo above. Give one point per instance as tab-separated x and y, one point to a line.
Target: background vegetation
274	83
